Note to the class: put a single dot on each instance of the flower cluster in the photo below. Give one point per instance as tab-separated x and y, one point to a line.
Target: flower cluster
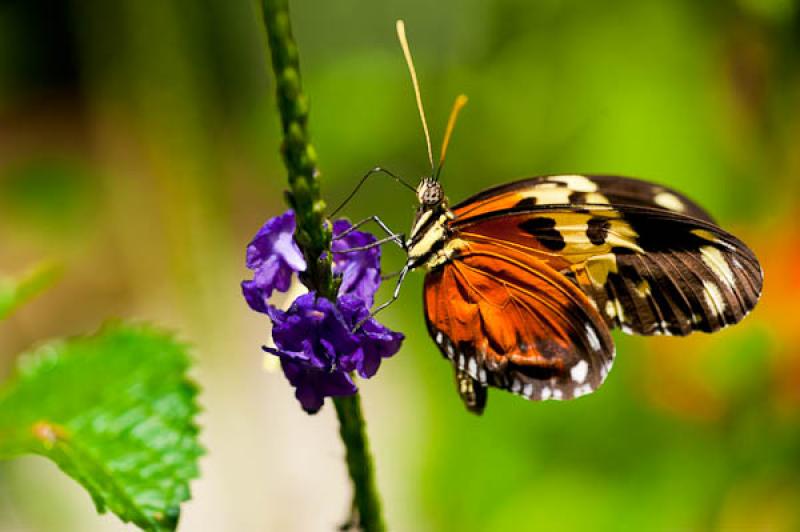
316	339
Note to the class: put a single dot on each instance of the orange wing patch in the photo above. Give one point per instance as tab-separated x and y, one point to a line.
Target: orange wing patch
506	319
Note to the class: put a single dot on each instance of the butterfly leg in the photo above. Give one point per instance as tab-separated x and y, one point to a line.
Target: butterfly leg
390	238
387	276
395	295
398	238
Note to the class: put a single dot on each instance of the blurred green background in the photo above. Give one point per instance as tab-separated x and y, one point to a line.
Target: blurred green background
138	146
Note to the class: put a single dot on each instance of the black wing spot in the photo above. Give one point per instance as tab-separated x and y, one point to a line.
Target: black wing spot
526	203
659	234
616	250
597	230
544	230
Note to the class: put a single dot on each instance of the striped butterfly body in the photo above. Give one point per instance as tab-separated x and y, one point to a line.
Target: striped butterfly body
525	280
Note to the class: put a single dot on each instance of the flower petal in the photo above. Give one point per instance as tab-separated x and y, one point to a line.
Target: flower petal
254	296
375	340
313	385
274	257
360	270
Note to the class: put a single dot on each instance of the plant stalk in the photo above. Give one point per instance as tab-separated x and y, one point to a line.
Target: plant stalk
313	236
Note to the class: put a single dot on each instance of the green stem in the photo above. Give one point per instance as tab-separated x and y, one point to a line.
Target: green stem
313	235
359	462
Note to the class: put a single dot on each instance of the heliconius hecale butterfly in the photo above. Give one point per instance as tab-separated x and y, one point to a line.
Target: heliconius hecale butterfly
524	280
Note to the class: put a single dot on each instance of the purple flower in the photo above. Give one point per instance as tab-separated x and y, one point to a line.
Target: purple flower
313	332
318	347
317	340
360	270
274	256
376	341
312	386
308	338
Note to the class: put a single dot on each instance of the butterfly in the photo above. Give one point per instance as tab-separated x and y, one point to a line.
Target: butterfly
525	280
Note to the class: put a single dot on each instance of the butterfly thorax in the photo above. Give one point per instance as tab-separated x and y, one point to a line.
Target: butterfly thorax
431	242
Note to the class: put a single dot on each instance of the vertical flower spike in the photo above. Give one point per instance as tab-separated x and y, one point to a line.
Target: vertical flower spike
304	194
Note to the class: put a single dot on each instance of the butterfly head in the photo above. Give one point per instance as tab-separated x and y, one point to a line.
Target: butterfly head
429	193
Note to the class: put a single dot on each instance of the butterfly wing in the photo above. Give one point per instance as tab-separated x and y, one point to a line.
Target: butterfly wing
649	269
506	319
578	190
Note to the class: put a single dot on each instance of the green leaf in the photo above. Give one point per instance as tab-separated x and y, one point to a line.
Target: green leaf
14	292
115	411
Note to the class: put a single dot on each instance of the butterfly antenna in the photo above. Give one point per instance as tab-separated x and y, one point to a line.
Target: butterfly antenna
401	35
461	101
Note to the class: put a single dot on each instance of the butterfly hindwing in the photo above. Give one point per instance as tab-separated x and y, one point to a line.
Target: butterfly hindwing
508	320
646	268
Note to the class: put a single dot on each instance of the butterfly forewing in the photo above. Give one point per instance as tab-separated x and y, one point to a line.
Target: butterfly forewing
577	190
508	320
650	265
